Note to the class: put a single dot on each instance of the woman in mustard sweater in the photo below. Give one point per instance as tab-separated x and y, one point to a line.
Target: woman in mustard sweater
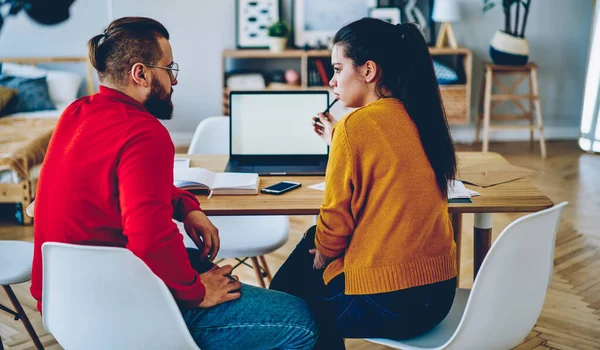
381	261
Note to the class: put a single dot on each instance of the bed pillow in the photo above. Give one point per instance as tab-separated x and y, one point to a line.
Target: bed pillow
22	70
444	74
63	86
6	94
33	95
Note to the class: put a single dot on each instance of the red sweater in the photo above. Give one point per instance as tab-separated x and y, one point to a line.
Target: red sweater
107	180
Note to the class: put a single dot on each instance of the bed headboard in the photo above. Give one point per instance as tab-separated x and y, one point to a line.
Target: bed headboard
37	60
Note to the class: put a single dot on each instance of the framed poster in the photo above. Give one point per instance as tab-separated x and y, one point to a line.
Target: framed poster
317	21
415	11
388	14
253	17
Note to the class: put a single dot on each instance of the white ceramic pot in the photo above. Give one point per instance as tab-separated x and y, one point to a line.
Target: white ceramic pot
277	44
506	49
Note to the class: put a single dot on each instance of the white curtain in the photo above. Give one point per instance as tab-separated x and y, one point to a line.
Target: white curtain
590	126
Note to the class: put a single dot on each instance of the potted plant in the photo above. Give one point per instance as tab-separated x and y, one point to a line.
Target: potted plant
278	34
509	46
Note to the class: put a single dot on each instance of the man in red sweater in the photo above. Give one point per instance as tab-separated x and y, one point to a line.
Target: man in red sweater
107	180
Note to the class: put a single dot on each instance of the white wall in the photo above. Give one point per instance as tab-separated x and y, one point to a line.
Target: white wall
559	36
558	32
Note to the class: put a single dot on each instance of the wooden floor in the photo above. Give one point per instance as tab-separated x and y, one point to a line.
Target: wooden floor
571	315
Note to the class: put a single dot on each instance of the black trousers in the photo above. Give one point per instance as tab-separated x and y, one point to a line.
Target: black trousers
396	315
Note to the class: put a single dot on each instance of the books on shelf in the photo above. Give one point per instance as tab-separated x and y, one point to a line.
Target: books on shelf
216	183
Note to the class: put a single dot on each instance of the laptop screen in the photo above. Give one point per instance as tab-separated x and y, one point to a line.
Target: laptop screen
276	122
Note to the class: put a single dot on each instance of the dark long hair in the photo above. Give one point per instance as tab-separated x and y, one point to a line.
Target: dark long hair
406	73
125	42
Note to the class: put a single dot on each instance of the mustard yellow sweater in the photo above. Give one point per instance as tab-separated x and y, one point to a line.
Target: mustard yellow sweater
383	215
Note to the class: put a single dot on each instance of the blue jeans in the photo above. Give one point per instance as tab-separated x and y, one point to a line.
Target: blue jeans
260	319
395	315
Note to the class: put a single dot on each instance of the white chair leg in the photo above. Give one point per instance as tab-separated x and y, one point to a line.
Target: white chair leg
19	309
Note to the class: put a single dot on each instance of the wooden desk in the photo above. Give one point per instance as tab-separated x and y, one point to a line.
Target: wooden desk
516	196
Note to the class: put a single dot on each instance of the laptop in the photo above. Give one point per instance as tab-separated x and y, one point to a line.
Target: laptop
271	132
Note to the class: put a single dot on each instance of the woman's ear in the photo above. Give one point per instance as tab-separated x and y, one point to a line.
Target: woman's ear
371	70
140	75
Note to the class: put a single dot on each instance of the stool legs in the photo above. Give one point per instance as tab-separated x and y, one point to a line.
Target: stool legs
538	110
508	94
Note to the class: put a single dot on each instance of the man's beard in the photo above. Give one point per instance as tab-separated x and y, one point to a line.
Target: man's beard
159	102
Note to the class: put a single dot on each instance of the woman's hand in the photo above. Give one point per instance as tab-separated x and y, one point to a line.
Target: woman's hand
320	260
323	126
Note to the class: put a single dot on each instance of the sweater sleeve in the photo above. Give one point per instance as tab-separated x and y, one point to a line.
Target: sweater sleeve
145	177
335	224
183	202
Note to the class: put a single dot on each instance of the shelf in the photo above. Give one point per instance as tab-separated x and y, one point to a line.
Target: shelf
455	97
449	51
269	54
453	87
285	88
319	53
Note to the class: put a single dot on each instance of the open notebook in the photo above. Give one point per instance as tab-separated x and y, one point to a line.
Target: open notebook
216	183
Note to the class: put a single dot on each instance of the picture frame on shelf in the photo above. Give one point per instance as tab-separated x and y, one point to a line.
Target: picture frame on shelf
389	14
252	18
415	11
315	22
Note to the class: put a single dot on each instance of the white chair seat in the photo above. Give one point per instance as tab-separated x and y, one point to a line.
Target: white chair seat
508	293
243	236
15	262
439	335
98	298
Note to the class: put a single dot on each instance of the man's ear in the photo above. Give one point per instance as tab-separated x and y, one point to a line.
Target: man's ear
140	75
370	71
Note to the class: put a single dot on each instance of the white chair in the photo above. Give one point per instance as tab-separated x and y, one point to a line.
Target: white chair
15	267
508	294
107	298
241	236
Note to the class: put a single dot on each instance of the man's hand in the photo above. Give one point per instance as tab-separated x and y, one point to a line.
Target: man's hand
323	126
219	288
320	260
204	234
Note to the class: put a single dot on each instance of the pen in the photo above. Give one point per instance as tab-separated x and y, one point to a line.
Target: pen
227	275
331	105
327	110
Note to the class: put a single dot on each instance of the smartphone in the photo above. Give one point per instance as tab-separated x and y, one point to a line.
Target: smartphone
281	187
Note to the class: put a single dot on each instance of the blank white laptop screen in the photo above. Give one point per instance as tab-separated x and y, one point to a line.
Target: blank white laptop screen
276	124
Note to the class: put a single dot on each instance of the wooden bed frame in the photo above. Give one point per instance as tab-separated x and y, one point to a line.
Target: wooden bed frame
24	191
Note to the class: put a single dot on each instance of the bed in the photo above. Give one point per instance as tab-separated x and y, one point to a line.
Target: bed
24	137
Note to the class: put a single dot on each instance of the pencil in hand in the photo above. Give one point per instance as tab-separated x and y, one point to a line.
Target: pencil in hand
317	120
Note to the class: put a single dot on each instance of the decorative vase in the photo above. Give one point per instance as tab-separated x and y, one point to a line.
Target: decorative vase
277	44
509	50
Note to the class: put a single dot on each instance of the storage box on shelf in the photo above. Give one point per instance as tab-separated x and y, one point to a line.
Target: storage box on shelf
456	97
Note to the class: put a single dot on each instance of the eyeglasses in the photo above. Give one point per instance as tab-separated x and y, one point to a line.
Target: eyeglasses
173	70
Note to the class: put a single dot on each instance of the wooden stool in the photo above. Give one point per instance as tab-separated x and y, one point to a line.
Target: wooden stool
488	100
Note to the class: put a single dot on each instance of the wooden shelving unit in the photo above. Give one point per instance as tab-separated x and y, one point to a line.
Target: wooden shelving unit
456	98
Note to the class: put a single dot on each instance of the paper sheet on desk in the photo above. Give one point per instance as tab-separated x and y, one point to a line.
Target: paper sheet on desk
320	186
491	175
